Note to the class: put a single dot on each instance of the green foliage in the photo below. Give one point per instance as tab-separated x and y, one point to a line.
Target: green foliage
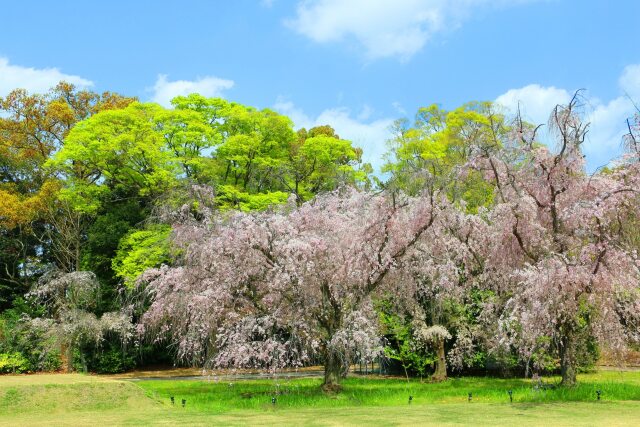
401	345
545	361
110	358
16	336
140	250
115	150
587	353
13	363
253	157
113	221
232	197
437	143
260	159
321	161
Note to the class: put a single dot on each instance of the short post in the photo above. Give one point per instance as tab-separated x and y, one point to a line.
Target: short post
510	396
173	400
470	396
598	393
273	401
184	402
410	399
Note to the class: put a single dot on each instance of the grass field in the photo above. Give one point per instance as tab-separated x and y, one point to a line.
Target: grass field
91	400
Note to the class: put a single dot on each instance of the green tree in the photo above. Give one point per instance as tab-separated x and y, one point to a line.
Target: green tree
260	160
437	144
116	164
140	250
115	151
35	227
321	161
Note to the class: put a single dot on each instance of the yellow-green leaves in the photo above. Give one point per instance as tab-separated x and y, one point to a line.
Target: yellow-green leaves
142	148
253	158
438	142
140	250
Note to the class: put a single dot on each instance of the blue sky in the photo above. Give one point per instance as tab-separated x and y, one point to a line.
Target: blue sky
355	64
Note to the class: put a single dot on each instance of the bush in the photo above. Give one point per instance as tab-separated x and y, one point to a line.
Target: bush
587	354
13	363
19	335
109	358
50	361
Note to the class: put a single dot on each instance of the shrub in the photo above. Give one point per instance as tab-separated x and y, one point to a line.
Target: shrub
13	363
109	358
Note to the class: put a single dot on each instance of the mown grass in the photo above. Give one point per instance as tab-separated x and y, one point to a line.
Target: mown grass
216	397
66	393
89	400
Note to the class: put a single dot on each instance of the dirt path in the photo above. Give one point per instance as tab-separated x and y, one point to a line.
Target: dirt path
225	374
217	375
196	374
233	376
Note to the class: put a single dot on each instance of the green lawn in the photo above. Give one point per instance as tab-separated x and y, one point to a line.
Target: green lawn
91	400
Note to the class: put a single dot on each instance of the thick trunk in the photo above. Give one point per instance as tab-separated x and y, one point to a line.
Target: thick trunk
568	359
440	373
331	320
332	372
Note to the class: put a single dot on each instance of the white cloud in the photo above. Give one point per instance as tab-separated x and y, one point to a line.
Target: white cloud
629	81
535	101
164	90
370	135
385	28
607	119
608	125
34	80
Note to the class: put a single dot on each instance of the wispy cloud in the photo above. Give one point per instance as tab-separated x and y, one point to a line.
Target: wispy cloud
607	118
164	90
385	28
34	80
370	135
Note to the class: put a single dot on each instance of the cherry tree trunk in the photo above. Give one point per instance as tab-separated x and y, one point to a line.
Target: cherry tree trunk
568	359
332	372
440	373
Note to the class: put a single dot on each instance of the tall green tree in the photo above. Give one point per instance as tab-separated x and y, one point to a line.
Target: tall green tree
438	143
115	166
141	150
35	226
261	160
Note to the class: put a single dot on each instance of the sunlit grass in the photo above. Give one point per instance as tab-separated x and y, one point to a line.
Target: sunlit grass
73	400
212	396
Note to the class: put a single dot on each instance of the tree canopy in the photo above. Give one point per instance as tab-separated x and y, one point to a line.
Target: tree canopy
218	234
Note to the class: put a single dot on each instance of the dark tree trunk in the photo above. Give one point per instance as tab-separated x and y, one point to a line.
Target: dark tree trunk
440	373
568	359
332	372
331	319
